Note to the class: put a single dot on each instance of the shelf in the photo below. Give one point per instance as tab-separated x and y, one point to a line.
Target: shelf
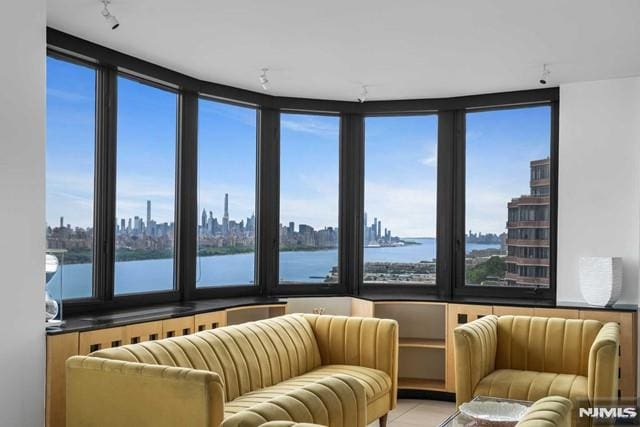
421	384
422	343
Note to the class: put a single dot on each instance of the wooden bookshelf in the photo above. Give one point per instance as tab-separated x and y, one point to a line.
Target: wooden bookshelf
422	343
421	384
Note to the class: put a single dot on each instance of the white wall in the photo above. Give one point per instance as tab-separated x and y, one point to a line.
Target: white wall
599	180
22	143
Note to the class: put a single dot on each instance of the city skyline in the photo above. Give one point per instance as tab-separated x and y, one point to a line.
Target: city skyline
231	130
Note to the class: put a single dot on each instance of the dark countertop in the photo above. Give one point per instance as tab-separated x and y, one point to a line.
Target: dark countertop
375	296
123	317
110	319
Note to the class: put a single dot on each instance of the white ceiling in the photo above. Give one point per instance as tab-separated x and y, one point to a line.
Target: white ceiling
400	49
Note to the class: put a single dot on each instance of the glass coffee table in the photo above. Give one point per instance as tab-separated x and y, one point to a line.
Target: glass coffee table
460	420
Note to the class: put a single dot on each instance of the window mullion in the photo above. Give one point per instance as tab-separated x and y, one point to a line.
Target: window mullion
105	176
186	191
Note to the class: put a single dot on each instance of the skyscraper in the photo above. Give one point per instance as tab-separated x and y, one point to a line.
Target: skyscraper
379	235
225	217
527	242
204	218
148	213
61	222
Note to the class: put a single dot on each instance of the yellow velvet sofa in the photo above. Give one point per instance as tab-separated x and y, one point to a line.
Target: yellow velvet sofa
329	370
552	411
528	358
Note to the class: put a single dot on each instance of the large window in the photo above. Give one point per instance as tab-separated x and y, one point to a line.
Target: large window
70	175
226	194
508	170
451	197
145	188
309	187
400	200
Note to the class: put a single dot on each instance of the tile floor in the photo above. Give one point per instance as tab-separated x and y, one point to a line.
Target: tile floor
412	413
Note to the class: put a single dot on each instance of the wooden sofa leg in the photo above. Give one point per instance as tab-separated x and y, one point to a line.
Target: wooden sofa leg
383	420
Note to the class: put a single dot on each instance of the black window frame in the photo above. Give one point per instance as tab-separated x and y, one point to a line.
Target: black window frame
239	289
443	209
97	247
310	288
158	295
450	186
461	289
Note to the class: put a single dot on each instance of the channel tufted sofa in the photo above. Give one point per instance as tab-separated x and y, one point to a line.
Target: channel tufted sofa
552	411
528	358
329	370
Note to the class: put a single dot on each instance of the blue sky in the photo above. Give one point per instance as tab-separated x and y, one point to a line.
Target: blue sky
400	159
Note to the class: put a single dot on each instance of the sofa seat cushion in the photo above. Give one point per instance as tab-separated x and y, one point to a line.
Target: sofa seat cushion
376	384
532	385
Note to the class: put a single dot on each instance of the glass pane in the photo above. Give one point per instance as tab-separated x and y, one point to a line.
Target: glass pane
309	176
69	174
507	197
401	157
145	188
226	194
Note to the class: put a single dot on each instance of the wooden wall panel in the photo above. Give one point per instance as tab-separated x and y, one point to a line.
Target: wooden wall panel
206	321
563	313
141	332
59	349
500	310
178	326
628	346
458	314
361	308
100	339
277	310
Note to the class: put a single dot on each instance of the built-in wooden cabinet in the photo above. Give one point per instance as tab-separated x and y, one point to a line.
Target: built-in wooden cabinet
459	314
628	347
426	357
141	332
64	345
422	333
213	320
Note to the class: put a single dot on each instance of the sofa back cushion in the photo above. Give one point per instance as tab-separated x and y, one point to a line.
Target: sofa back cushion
248	357
545	344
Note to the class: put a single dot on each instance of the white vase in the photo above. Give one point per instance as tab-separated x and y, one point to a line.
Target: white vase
600	279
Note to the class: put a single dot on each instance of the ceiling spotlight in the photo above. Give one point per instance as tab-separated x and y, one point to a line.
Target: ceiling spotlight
264	81
545	74
363	94
111	20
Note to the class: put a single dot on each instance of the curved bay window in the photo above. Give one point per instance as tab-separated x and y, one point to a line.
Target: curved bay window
165	188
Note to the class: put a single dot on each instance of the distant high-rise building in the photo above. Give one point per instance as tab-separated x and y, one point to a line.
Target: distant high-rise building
527	239
204	218
148	213
123	224
225	217
61	222
379	235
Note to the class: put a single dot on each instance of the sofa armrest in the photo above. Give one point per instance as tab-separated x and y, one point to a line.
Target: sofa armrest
288	424
475	346
335	401
104	392
603	365
360	341
551	411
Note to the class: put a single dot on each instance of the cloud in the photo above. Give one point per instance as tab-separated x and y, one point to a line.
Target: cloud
67	96
431	159
243	115
408	211
310	125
